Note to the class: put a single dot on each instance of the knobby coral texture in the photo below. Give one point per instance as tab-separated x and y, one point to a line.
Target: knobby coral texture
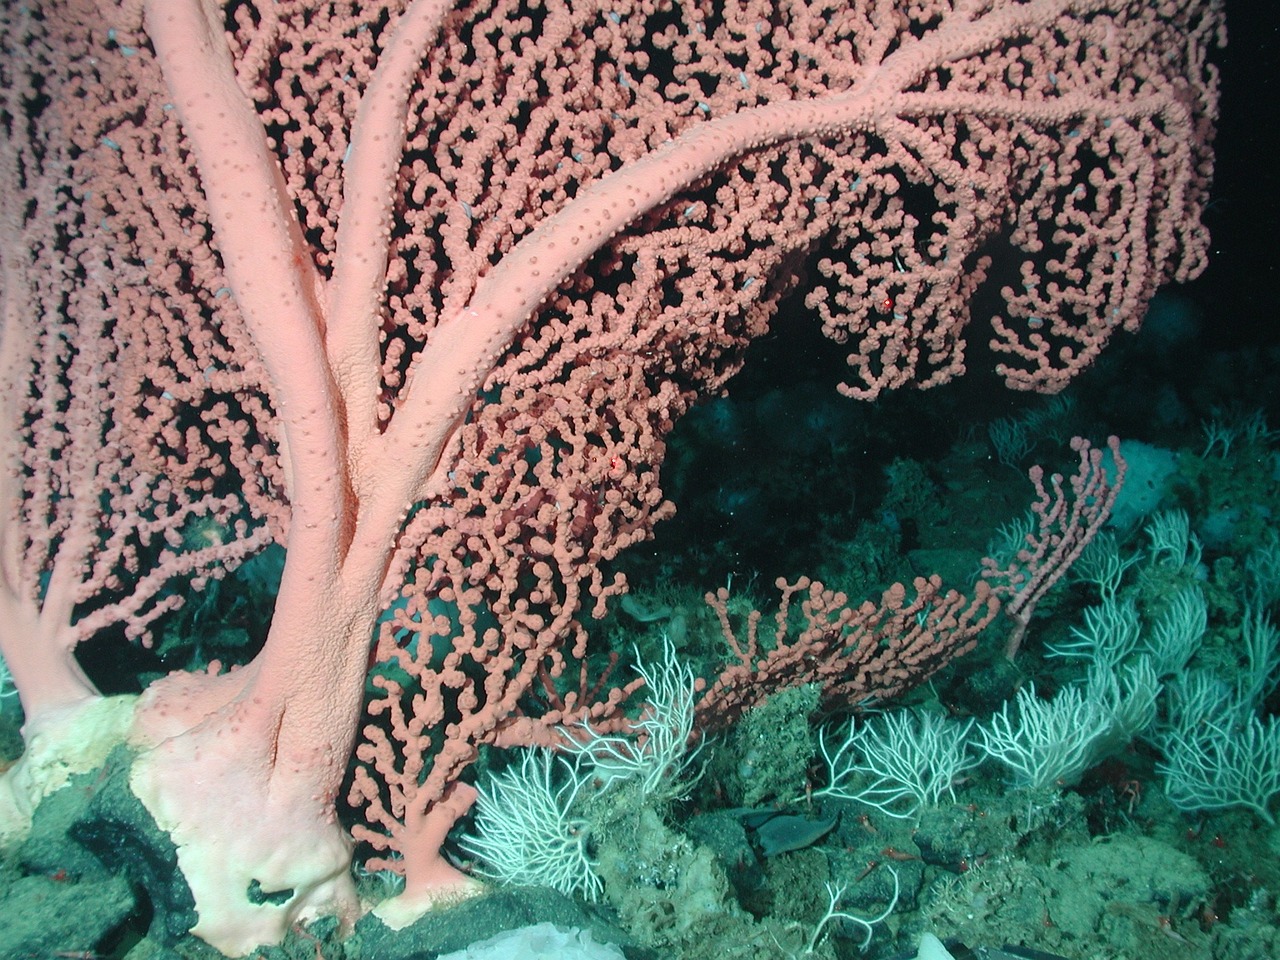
417	289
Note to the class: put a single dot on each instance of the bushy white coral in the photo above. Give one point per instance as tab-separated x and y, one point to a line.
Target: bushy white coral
1213	767
1051	743
1109	635
654	753
526	829
1046	743
898	757
529	830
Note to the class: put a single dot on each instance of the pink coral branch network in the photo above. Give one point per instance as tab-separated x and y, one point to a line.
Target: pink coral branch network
1062	523
856	655
416	290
